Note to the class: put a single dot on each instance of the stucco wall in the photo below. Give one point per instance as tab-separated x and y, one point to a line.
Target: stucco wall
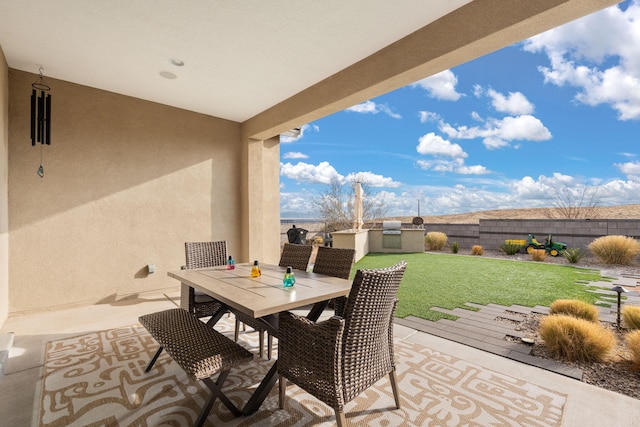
126	183
4	183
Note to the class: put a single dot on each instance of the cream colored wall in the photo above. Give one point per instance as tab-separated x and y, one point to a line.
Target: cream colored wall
126	183
4	183
261	204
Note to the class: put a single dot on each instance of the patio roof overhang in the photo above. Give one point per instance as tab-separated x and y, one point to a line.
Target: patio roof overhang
270	65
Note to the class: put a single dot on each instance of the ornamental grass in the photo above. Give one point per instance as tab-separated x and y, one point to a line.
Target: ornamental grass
538	255
615	249
477	250
631	316
575	308
633	344
435	240
576	340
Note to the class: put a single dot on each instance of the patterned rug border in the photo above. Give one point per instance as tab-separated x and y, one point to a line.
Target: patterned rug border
98	378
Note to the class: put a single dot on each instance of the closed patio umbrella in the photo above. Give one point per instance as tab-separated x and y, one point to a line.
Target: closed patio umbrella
357	207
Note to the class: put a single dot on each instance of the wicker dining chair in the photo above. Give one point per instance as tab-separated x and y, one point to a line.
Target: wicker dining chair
211	254
198	255
335	262
295	256
337	359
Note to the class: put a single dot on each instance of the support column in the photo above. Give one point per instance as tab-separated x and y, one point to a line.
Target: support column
261	201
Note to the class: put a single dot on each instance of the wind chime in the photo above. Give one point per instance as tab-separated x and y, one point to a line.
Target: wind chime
40	116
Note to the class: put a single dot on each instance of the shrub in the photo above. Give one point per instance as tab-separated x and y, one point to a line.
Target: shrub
538	254
455	247
615	249
573	255
631	317
574	339
477	250
510	247
575	308
435	240
633	343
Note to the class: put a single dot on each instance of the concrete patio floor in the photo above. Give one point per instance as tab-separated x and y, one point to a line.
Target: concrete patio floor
19	389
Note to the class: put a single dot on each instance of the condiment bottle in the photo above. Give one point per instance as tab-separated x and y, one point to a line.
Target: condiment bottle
231	264
289	279
255	270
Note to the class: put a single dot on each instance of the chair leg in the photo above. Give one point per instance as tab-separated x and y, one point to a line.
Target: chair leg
341	421
394	386
261	339
153	360
269	345
283	391
236	333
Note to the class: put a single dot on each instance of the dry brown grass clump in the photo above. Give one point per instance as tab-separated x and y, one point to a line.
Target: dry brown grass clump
631	316
575	308
633	343
538	254
576	340
435	240
477	250
615	249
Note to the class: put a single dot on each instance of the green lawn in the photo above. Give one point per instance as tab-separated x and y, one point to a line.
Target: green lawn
449	281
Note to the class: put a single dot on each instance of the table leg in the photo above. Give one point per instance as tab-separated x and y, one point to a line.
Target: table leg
262	391
217	315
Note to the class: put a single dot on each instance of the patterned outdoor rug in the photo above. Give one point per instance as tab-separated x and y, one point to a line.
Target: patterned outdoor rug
98	379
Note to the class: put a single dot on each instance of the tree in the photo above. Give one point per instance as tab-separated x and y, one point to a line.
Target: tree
574	202
335	204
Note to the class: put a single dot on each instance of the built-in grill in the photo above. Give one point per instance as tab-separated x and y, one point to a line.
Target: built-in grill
392	234
391	227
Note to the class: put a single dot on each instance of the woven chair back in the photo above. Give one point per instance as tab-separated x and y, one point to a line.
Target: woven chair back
335	262
295	256
367	342
205	254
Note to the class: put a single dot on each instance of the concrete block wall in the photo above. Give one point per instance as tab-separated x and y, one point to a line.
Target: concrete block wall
466	235
576	233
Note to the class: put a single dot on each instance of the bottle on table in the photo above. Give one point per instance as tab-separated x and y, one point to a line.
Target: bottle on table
255	270
231	264
289	279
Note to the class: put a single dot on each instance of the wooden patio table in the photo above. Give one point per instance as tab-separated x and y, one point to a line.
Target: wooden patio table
263	298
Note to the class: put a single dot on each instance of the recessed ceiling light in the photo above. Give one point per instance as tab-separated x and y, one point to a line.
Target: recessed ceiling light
168	75
177	62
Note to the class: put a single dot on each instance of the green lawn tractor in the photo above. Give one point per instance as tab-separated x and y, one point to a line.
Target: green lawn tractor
552	248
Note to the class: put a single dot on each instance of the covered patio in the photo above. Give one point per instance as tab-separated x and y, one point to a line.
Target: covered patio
166	127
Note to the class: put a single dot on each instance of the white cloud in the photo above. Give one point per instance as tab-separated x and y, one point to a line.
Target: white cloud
372	179
440	86
428	116
480	195
452	165
605	69
515	103
323	173
294	155
370	107
435	145
629	168
498	133
473	170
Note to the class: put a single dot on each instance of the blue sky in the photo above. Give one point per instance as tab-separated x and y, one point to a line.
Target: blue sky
559	110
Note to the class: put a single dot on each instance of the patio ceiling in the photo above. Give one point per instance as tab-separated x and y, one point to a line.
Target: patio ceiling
244	59
240	57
